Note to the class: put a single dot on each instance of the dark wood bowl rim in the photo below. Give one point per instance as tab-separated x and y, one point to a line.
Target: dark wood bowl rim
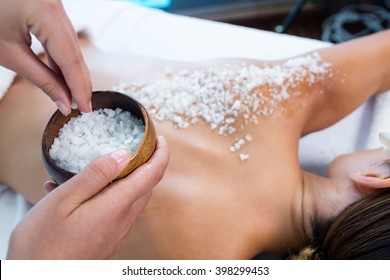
140	113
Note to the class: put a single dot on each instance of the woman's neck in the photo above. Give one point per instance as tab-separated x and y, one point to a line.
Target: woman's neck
323	198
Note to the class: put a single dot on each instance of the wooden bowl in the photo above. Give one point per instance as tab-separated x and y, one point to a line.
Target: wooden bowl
101	99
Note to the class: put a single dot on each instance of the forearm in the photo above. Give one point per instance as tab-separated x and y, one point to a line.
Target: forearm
367	58
360	69
362	63
376	48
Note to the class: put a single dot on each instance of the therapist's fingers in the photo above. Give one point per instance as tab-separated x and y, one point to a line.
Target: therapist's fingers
136	208
101	172
23	61
67	77
70	61
53	65
59	39
139	205
92	179
144	178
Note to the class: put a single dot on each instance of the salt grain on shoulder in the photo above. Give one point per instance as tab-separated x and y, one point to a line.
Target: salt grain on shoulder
219	96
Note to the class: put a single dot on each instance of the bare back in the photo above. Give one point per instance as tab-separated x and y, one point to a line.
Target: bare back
210	204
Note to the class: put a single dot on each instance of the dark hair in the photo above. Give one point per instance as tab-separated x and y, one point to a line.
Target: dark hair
359	232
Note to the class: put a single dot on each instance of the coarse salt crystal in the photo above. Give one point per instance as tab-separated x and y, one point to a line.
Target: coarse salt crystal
243	157
221	96
93	134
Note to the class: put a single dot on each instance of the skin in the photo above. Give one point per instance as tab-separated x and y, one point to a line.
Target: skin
64	77
209	204
70	211
67	76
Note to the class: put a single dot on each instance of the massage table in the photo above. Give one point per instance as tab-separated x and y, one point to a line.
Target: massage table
118	27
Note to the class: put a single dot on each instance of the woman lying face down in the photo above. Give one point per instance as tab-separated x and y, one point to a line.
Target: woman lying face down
361	230
234	187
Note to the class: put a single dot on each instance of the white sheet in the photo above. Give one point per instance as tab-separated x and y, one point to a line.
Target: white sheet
123	27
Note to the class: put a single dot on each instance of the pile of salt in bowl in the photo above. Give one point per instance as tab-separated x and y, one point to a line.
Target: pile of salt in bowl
93	134
222	96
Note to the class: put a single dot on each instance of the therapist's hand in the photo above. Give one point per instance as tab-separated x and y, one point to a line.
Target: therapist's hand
67	75
88	217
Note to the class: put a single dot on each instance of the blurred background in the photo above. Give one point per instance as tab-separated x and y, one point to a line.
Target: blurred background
333	21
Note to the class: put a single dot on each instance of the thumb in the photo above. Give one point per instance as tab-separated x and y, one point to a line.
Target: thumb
94	177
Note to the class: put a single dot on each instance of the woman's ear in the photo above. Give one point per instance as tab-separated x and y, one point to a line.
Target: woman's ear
370	182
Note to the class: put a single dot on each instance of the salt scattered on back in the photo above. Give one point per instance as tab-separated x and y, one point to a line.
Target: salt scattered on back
90	135
243	156
228	97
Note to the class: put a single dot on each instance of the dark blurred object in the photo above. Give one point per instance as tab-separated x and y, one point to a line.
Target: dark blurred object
294	17
369	13
230	10
290	16
334	6
354	21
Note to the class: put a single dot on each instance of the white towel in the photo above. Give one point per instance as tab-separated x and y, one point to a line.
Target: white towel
123	27
380	120
318	149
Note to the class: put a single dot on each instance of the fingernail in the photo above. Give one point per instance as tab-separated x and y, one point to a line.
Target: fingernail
63	109
74	105
89	108
120	155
